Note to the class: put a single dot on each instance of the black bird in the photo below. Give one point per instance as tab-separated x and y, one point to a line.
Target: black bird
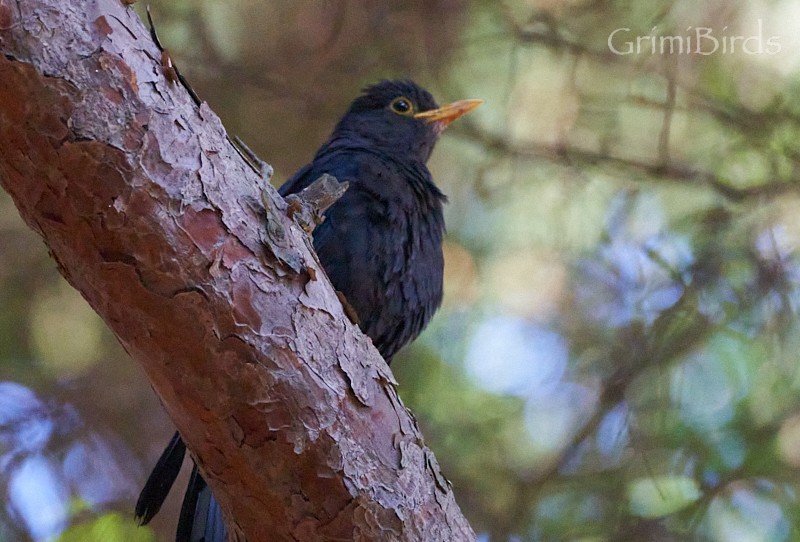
380	244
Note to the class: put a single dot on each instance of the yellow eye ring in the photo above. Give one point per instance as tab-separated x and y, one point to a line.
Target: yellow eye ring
402	106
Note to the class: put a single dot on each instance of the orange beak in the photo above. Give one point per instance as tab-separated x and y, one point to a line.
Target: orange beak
448	113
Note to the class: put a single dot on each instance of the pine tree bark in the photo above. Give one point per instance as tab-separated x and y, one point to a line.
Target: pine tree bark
152	215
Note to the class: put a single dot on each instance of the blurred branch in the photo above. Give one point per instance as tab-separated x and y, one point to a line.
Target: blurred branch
541	29
678	331
149	212
669	172
669	111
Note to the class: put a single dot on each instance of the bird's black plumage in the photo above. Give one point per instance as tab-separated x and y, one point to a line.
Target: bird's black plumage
380	244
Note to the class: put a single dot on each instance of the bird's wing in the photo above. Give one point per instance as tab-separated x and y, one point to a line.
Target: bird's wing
361	248
370	241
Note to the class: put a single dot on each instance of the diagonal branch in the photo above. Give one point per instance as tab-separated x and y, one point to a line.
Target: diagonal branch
150	213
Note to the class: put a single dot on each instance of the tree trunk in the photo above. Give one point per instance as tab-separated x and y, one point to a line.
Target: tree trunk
152	215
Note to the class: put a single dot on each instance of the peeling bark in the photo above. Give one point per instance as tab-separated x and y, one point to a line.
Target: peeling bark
152	215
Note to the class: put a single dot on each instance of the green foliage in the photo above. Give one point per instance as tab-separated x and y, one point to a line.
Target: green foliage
659	496
109	527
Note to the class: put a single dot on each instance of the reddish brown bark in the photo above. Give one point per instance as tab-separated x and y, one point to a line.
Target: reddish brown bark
152	215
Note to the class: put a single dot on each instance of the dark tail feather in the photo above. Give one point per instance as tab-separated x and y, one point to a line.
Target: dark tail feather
201	517
209	525
186	519
157	487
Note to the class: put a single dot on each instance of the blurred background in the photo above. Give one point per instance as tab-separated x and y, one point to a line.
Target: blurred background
617	354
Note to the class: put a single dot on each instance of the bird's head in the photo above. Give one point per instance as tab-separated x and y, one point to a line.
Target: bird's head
400	118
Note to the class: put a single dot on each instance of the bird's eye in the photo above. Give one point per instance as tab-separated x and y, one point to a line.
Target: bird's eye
402	106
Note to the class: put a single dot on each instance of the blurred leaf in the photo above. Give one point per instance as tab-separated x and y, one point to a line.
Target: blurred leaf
67	334
110	527
659	496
